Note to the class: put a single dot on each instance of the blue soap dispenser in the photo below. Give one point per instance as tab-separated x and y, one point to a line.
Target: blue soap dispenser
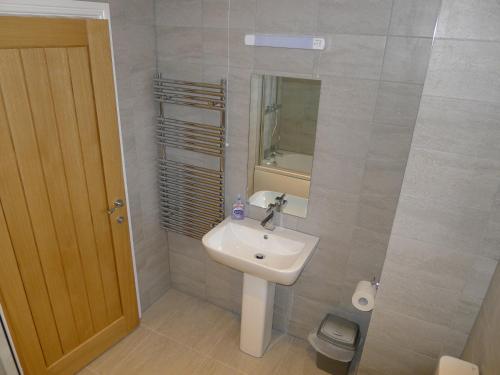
238	211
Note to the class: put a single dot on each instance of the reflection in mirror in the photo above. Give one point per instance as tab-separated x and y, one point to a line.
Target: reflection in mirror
283	118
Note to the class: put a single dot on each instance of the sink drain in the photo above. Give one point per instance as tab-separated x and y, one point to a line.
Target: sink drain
259	256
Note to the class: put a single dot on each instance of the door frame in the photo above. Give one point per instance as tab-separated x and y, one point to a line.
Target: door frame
78	9
55	8
8	337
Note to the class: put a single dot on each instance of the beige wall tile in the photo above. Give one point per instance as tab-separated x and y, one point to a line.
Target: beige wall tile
406	59
367	256
286	16
397	104
454	227
354	17
243	14
187	274
383	358
418	335
183	13
414	17
462	19
356	56
464	70
452	179
215	13
459	126
390	141
224	286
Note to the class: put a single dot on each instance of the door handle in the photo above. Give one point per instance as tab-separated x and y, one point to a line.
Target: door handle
116	204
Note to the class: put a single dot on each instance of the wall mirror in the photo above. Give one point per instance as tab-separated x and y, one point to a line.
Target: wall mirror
283	119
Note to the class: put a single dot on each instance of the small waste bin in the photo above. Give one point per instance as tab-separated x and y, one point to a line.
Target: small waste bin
335	343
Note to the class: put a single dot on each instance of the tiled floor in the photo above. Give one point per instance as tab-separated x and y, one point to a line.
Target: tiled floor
184	335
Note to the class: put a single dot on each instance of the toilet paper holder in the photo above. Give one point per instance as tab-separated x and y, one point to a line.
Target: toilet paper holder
375	283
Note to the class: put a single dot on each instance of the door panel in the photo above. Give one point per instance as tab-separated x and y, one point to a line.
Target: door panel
102	79
89	137
60	169
55	218
18	200
93	311
11	294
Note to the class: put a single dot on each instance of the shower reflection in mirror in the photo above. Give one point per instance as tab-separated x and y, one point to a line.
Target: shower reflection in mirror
283	119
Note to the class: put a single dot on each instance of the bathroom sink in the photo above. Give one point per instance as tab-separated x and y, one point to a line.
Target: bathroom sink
265	258
277	256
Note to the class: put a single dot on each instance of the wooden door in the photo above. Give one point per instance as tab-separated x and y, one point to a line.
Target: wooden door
66	277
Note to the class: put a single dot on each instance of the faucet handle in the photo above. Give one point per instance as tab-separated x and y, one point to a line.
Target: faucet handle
270	207
280	199
280	205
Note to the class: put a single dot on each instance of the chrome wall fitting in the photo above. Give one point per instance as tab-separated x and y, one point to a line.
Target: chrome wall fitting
375	283
191	197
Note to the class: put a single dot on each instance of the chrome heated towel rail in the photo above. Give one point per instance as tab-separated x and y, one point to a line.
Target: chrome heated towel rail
191	196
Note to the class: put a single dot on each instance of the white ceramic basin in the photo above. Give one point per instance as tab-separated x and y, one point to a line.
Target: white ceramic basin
238	244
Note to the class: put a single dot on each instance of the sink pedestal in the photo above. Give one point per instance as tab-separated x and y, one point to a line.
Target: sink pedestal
256	315
265	258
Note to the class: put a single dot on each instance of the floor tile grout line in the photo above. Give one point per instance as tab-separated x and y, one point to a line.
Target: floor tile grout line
204	355
211	356
166	336
183	345
172	338
179	344
192	348
229	366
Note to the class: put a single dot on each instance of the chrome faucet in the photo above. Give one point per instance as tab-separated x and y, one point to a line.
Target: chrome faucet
277	206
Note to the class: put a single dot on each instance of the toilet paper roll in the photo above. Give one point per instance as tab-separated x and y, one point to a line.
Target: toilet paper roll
364	296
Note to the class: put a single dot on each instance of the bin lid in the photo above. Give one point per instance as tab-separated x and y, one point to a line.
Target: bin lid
339	331
335	352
